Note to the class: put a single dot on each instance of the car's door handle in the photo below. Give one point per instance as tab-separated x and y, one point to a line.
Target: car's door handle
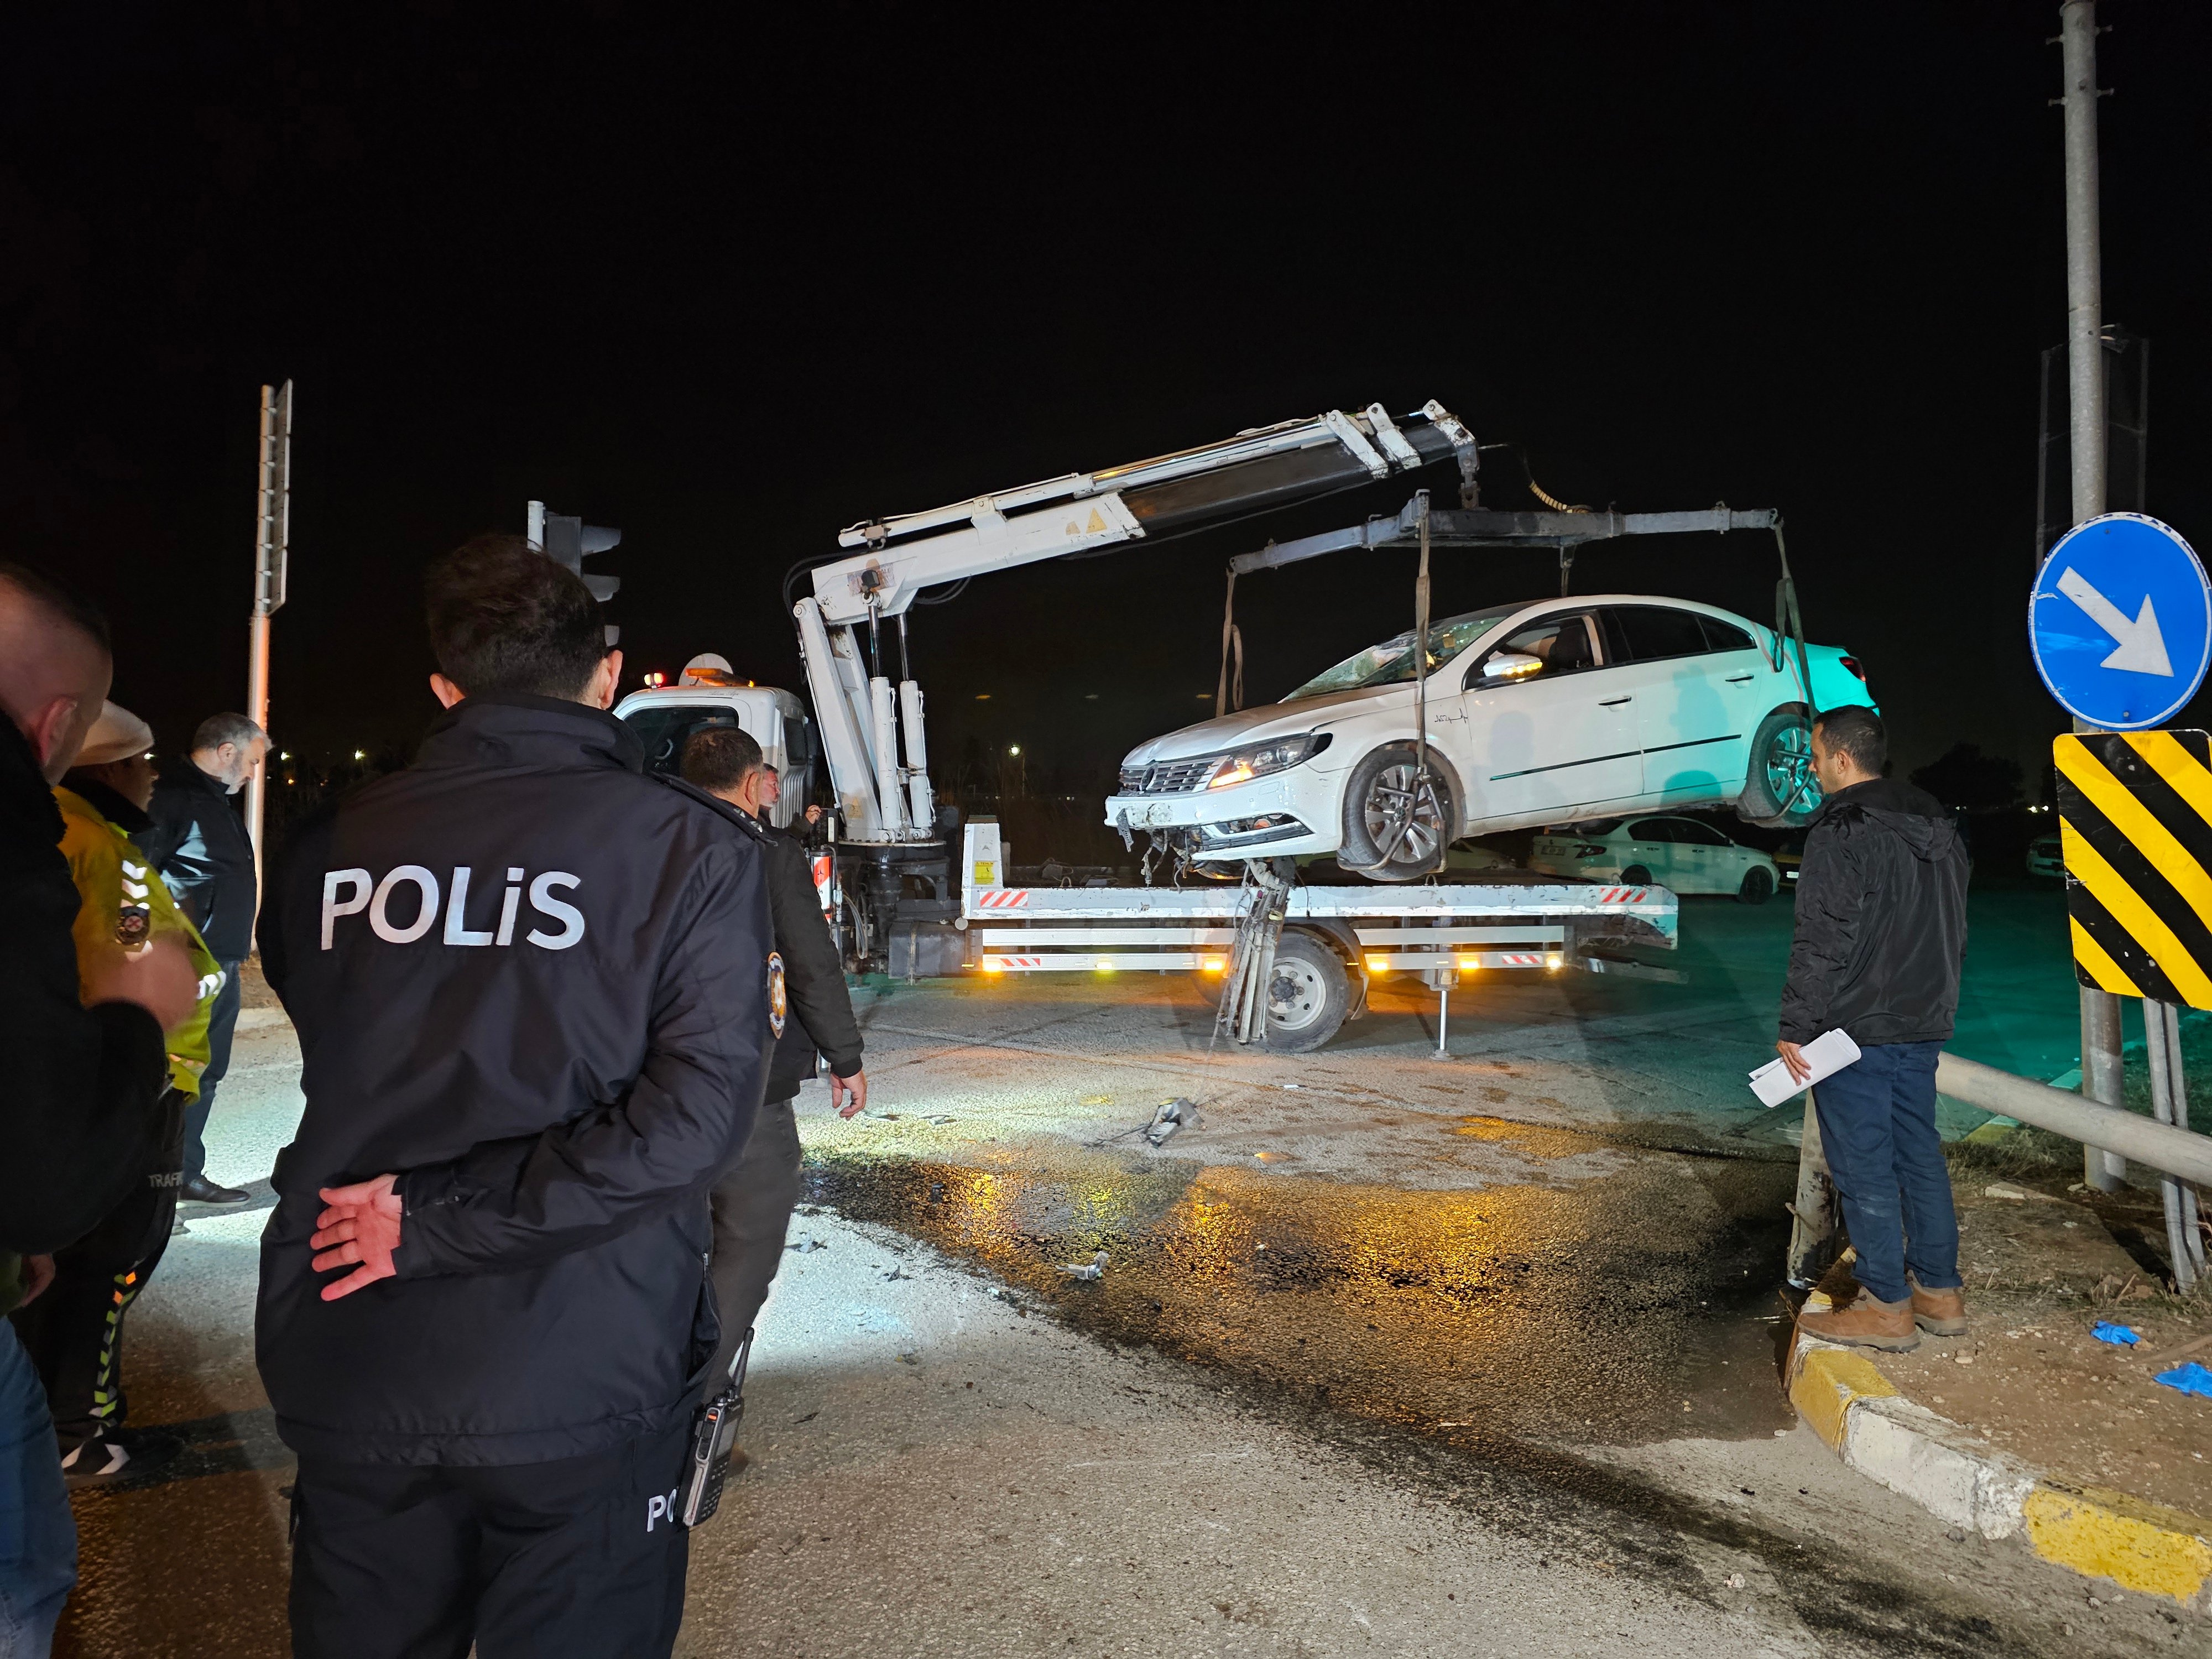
1614	702
1741	679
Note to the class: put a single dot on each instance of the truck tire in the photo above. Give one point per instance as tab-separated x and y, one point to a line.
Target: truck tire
1781	772
1376	798
1308	994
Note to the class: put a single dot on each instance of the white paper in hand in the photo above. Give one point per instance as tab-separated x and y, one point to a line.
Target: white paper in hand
1827	1053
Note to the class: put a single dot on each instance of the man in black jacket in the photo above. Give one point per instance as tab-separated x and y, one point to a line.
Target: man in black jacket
1881	931
200	844
81	1125
534	989
754	1199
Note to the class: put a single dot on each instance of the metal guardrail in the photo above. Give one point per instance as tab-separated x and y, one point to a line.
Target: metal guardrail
2161	1146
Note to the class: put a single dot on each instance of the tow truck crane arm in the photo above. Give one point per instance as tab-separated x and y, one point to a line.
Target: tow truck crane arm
883	801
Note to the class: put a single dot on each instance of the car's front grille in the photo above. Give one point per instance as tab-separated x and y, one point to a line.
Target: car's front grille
1175	777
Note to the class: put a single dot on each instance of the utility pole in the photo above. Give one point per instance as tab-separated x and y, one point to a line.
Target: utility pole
2101	1076
272	549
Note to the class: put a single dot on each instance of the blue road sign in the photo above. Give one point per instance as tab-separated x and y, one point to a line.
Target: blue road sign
2120	621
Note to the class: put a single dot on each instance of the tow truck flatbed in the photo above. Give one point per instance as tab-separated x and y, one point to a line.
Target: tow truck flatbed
1439	932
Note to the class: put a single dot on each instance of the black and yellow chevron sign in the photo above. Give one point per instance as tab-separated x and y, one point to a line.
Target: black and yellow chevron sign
2135	820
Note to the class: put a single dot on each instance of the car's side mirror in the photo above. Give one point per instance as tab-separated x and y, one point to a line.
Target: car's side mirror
1503	667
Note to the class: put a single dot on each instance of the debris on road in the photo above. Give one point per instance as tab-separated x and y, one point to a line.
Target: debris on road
1093	1269
2118	1335
1173	1115
1998	1189
805	1245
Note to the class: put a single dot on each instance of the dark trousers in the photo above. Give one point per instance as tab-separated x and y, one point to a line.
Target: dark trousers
74	1332
752	1203
1878	1129
222	1024
582	1558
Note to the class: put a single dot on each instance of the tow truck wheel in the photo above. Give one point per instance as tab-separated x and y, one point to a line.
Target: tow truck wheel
1308	994
1392	830
1780	786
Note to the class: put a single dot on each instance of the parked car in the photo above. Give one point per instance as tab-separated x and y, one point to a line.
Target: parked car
2046	858
1685	854
1545	713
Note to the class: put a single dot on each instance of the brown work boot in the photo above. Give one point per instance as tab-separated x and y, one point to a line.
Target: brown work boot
1868	1322
1939	1313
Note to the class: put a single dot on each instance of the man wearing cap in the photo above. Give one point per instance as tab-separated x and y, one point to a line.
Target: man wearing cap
200	844
74	1332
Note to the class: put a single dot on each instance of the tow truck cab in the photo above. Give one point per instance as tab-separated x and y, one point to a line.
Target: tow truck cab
710	695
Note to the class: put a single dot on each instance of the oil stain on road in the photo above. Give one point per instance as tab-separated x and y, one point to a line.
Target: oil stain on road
1632	1307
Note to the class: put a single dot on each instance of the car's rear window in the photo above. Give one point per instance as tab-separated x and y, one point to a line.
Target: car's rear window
1648	632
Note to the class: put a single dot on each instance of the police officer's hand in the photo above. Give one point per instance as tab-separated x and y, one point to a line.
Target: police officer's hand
360	1231
855	1087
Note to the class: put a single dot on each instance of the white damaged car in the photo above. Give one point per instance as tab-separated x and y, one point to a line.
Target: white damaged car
1544	713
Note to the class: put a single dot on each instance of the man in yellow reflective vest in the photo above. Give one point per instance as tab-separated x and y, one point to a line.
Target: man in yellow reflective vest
73	1330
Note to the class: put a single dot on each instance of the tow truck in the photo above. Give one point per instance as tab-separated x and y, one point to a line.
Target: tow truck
1296	959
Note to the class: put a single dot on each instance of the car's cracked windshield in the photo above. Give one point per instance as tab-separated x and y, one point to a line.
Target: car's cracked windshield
1391	663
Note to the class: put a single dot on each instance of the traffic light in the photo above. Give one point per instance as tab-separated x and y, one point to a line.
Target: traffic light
570	541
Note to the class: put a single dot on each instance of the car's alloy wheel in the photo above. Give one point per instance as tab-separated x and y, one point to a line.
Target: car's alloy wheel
1758	885
1781	789
1788	763
1636	876
1392	800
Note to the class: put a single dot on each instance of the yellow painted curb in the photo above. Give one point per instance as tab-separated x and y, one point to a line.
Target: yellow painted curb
1828	1382
2108	1535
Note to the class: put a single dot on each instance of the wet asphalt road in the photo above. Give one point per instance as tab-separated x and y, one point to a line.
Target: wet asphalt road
1625	1307
1499	1325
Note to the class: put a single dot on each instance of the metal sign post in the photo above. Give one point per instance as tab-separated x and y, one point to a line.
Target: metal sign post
272	560
2085	378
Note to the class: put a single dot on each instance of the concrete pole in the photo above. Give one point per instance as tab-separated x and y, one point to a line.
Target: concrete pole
2101	1075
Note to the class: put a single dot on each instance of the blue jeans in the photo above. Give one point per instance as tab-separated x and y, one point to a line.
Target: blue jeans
1878	1129
38	1535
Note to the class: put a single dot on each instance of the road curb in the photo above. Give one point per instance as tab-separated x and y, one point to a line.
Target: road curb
1958	1477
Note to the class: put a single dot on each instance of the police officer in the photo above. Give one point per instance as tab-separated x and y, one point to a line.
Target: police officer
533	989
754	1199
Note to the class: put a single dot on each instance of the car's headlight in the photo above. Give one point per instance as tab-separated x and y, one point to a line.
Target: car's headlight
1275	756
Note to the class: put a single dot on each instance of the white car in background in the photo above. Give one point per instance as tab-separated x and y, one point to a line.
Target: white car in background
1685	855
1544	713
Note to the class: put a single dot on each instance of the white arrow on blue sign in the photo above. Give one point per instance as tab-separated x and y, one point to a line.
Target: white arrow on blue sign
2120	621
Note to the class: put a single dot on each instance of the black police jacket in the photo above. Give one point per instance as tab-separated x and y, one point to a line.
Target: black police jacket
1882	918
200	844
535	984
80	1128
821	1017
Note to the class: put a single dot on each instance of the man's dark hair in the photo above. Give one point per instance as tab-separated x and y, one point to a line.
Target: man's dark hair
504	618
719	757
65	603
1856	730
217	730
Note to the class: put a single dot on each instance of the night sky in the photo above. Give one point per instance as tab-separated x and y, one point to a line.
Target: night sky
733	287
